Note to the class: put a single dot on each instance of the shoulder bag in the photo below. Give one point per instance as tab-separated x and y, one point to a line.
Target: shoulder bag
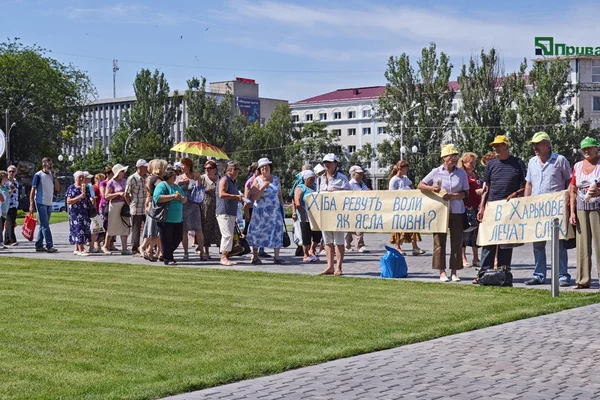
197	194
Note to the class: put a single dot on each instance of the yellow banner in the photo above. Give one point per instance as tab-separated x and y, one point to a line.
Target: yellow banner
381	211
524	219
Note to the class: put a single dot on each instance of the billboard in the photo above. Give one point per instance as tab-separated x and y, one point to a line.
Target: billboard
250	108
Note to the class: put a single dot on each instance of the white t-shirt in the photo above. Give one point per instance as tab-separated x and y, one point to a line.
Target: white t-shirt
400	183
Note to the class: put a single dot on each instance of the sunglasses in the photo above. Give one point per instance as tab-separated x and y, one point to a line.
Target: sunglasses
12	171
209	167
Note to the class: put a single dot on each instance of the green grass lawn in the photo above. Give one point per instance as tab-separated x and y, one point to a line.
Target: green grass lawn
55	218
80	330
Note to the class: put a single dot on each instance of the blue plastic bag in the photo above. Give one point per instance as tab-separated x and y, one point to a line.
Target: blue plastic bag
393	264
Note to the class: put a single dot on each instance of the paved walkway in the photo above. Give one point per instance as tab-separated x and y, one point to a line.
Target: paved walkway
555	356
362	265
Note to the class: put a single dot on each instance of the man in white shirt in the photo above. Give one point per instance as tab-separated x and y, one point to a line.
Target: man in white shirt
356	183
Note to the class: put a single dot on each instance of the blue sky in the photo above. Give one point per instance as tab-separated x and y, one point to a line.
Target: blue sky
294	49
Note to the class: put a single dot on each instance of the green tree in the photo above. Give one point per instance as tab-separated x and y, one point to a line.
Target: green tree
487	94
94	161
418	103
154	113
44	98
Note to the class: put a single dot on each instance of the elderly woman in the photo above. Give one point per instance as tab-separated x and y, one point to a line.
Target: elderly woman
467	163
97	238
585	211
103	204
151	232
266	224
78	199
117	224
171	231
310	238
228	197
210	227
192	219
455	184
400	181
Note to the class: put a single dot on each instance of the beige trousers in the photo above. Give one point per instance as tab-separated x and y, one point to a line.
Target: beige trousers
227	227
588	237
438	260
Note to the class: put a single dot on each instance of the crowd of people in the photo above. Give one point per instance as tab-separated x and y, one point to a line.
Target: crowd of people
161	207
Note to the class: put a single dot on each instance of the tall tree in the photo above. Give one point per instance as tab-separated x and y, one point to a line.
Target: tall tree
487	94
154	113
418	104
94	161
44	98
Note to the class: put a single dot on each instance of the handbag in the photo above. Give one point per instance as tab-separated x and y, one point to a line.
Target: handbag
470	222
496	277
92	212
96	224
197	194
241	245
286	238
158	212
126	211
29	227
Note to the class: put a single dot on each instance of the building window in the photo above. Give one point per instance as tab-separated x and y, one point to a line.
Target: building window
295	118
454	107
366	113
368	165
351	114
351	149
323	116
352	132
338	149
595	103
596	71
366	131
381	130
337	115
308	117
567	101
337	132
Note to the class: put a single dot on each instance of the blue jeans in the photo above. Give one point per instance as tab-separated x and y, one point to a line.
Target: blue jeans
43	214
539	254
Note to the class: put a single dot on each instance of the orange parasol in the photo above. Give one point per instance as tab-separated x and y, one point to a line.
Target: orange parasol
200	149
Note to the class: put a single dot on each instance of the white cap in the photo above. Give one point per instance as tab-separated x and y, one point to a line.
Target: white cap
331	158
77	174
87	174
141	163
356	169
307	174
263	161
318	169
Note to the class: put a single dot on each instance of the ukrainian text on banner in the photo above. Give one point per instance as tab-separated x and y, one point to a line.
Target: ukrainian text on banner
381	211
524	219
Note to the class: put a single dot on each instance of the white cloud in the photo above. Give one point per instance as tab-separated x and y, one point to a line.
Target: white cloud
122	13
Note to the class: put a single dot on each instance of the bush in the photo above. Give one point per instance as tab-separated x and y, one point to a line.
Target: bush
20	214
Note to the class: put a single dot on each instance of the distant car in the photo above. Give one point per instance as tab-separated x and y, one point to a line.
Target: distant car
59	205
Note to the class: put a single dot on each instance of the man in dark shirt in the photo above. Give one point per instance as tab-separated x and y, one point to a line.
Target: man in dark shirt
504	178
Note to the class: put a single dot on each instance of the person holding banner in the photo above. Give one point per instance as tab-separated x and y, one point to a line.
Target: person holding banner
547	172
455	184
504	179
467	162
333	180
585	211
356	183
310	238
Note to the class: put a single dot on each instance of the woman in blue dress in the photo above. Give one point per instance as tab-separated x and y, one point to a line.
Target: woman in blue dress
266	223
78	200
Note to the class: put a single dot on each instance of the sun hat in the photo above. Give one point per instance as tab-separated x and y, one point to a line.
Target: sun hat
87	174
77	174
500	139
141	163
588	142
318	169
540	137
356	169
118	168
448	149
331	158
263	161
307	174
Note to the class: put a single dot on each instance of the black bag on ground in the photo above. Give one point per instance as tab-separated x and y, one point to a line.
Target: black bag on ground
240	246
496	277
299	251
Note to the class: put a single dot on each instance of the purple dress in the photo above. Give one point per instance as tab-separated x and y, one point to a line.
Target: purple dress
79	221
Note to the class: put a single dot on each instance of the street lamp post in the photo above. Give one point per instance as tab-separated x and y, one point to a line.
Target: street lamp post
8	129
402	116
127	142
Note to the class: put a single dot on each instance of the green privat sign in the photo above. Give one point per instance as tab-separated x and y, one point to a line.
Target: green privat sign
545	46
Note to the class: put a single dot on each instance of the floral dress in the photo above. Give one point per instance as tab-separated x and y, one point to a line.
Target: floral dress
266	224
210	227
79	221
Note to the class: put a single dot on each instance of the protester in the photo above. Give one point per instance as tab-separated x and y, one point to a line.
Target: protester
10	239
210	227
319	170
192	219
333	180
266	224
228	197
135	195
585	211
504	179
117	222
310	238
4	205
103	208
467	163
97	238
547	172
400	181
151	249
43	187
79	201
356	183
455	184
171	231
253	172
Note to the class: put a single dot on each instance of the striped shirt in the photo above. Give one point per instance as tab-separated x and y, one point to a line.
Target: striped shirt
504	177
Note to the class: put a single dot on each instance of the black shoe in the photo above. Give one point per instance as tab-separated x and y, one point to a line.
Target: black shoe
42	250
533	281
265	255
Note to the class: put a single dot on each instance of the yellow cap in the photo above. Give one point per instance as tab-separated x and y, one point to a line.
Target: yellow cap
500	139
448	149
540	137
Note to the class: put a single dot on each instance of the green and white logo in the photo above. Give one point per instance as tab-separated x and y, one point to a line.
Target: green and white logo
545	46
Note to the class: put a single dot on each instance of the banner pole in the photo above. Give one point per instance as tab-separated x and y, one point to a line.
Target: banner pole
555	256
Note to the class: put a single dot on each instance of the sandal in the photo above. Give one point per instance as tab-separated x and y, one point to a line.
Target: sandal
278	261
106	251
172	262
402	252
418	252
227	263
477	264
466	265
475	281
580	286
203	257
186	257
256	261
338	273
